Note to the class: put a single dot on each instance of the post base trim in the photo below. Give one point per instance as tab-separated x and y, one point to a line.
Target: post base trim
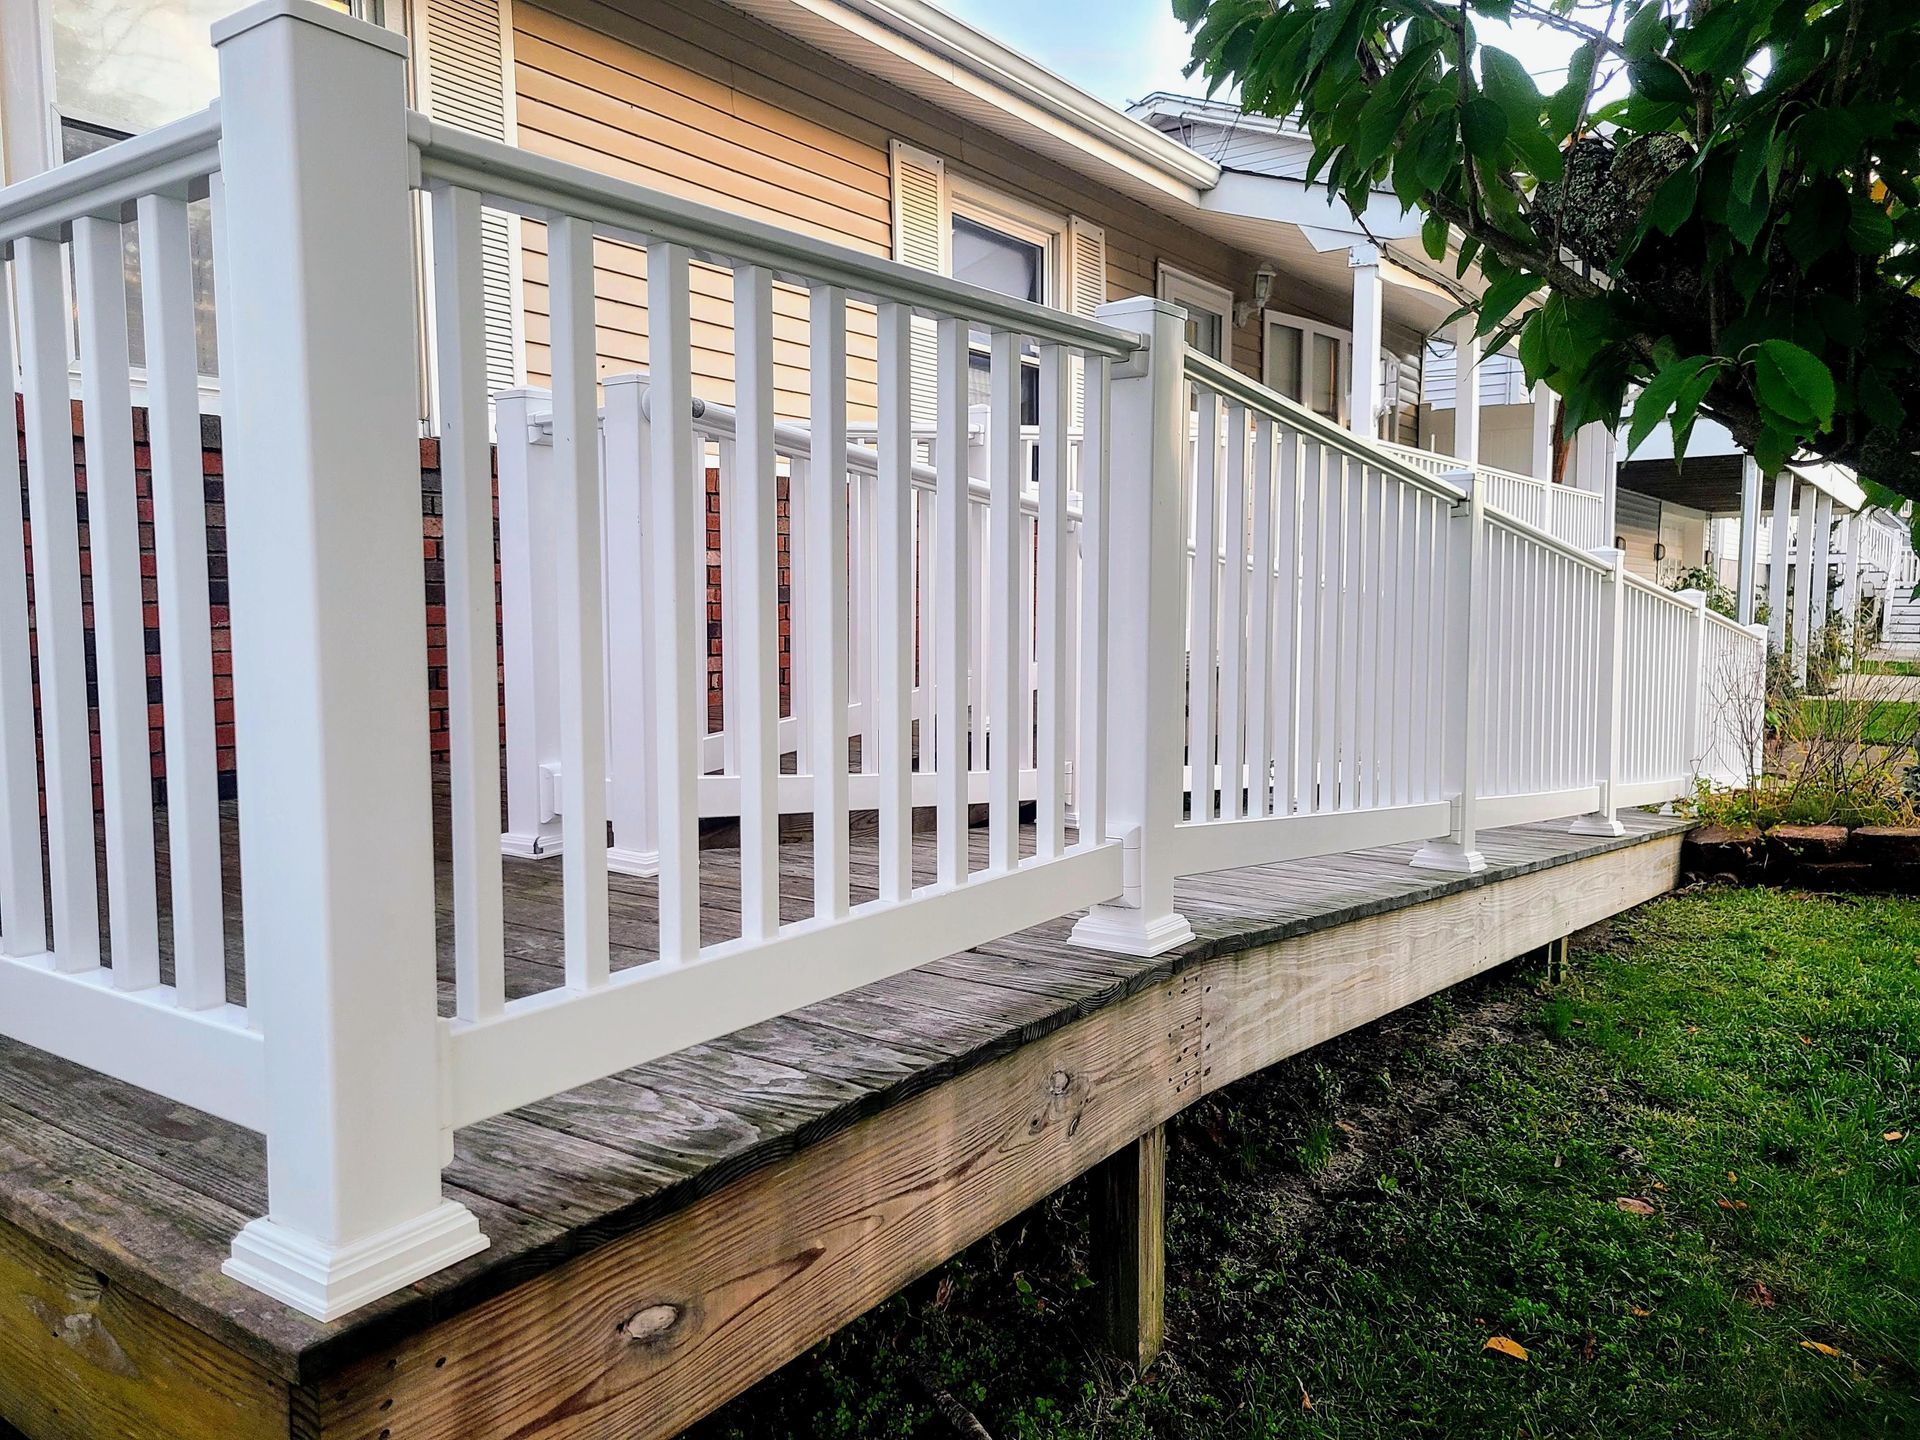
529	847
633	862
1606	825
1129	932
327	1281
1446	856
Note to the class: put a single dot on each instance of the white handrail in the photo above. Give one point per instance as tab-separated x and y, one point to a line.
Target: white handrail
536	185
160	161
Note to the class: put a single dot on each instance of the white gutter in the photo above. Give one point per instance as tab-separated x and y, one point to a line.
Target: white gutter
959	43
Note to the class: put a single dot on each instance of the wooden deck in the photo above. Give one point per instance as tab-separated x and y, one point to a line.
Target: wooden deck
662	1238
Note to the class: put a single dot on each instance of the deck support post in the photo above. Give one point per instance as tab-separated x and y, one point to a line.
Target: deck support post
336	821
1146	704
1611	719
1466	391
1557	954
1466	554
1128	1251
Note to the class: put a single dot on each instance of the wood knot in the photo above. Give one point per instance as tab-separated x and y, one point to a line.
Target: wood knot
652	1324
1059	1082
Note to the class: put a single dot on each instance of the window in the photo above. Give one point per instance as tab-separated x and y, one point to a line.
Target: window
1209	309
1002	246
1309	362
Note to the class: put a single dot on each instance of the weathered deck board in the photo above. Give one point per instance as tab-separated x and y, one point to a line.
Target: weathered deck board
148	1193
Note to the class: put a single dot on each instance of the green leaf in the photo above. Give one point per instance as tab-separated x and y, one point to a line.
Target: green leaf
1502	297
1646	32
1793	383
1660	81
1687	408
1433	235
1878	401
1509	85
1657	400
1563	111
1673	201
1483	127
1869	228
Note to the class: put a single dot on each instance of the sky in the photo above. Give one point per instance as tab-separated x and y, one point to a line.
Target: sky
1121	50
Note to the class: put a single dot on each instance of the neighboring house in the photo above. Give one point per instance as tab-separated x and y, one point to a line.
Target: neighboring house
882	124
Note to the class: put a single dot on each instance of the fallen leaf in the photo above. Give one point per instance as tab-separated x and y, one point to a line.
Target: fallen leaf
1693	1029
1589	1346
1637	1312
1732	1179
1806	1040
1658	1185
1633	1205
1758	1294
1820	1349
1506	1347
1723	1202
1893	1136
1306	1400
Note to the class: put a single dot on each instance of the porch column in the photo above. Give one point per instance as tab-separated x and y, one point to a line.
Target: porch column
1802	601
1782	545
1369	304
330	706
1749	538
1850	576
1593	469
1543	432
1466	392
1818	588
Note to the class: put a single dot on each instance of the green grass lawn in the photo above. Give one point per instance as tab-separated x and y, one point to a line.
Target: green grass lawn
1890	667
1348	1230
1871	722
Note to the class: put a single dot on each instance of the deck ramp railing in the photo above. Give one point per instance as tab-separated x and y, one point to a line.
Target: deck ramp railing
1180	625
1577	517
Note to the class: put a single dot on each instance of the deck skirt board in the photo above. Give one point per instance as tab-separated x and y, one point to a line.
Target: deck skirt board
775	1182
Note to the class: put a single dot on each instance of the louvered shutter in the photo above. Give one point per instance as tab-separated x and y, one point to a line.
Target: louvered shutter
922	238
1086	290
464	66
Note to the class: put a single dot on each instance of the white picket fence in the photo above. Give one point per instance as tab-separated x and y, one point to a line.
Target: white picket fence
1202	629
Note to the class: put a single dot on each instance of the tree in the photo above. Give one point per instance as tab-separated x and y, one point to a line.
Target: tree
1719	205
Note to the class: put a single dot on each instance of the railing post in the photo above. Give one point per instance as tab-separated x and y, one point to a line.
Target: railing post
329	641
1611	718
1459	853
1695	720
1754	724
1146	660
527	645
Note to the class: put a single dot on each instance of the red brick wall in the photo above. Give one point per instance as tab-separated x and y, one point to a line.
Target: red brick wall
214	480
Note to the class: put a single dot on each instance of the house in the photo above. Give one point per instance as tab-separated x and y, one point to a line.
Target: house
827	349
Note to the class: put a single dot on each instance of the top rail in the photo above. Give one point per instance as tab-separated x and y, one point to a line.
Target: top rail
1437	464
1231	384
160	162
1548	540
1658	591
534	185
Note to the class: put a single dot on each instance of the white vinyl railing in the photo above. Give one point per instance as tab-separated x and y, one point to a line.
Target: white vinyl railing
1577	517
1203	628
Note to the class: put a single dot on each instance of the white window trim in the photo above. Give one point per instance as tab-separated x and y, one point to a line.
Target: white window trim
1182	287
1309	328
969	199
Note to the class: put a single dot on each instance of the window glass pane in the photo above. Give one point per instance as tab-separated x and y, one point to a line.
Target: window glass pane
78	140
1008	265
1203	329
1325	383
998	262
1283	360
133	66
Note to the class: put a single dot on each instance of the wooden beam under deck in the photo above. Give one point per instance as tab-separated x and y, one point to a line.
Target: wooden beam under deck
664	1238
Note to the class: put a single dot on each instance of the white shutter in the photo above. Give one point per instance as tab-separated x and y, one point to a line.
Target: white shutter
465	61
922	238
1086	291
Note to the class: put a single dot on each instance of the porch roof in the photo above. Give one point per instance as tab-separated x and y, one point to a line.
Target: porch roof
1273	218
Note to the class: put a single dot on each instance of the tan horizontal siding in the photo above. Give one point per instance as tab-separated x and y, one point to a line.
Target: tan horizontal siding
697	100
